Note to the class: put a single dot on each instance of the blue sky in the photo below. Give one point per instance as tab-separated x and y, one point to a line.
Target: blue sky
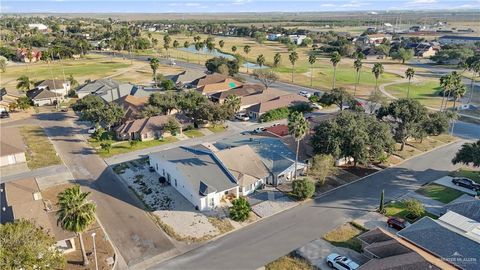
201	6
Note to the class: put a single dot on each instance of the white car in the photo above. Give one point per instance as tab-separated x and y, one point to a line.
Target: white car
305	94
258	130
242	117
316	106
341	262
92	130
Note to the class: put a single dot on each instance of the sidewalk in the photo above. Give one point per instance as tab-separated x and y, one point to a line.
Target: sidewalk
41	172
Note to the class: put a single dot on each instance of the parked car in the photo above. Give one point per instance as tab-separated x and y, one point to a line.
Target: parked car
258	130
466	183
305	94
242	116
64	109
4	114
92	130
396	223
341	262
316	106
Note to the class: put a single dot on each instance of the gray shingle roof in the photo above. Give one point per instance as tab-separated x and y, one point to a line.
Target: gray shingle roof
444	243
38	94
204	172
469	209
98	85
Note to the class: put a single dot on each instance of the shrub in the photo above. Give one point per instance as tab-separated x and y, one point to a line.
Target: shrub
167	85
303	188
240	209
414	208
275	114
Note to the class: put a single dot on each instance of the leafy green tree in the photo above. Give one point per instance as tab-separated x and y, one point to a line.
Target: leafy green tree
3	63
167	85
293	57
172	126
298	127
469	154
321	167
23	103
214	64
261	60
210	46
277	58
407	117
166	42
266	76
247	50
455	53
73	82
175	44
377	70
437	122
409	73
110	115
403	55
26	246
24	83
303	188
357	64
234	48
335	59
381	208
133	143
166	102
106	146
414	208
312	58
76	213
338	96
240	209
154	64
221	43
149	111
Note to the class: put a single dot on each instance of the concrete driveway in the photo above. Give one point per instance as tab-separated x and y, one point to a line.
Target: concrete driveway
447	181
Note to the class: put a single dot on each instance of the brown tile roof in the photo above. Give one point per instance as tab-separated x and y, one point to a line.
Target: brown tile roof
278	130
225	85
269	94
279	102
241	91
132	105
144	125
209	79
11	141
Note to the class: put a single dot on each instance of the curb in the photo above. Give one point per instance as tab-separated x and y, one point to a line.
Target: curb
115	250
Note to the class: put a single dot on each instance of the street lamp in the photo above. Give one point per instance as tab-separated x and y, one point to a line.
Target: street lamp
95	251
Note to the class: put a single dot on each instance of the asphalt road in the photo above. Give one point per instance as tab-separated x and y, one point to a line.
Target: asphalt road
258	244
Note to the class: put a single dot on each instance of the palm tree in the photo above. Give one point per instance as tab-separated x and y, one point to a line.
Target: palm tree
446	84
298	127
312	58
377	70
409	73
210	46
293	57
24	83
277	59
76	214
198	47
458	92
234	48
166	43
154	64
335	59
186	45
233	103
247	50
197	38
473	65
357	64
221	43
261	60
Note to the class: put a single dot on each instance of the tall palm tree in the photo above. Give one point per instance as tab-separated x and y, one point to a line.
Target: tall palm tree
166	43
409	73
261	60
210	46
335	59
377	70
458	92
154	64
233	103
298	127
293	57
24	83
234	48
221	43
473	65
247	50
312	58
357	64
76	213
277	59
446	84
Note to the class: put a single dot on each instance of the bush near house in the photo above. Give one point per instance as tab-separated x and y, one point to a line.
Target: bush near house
240	209
303	188
282	113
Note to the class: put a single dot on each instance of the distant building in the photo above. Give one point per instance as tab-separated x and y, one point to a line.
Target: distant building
297	39
273	36
22	55
59	87
39	26
447	40
7	97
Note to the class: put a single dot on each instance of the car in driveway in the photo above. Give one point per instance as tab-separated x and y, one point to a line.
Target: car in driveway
466	183
242	116
92	130
305	94
258	130
341	262
316	106
396	223
4	114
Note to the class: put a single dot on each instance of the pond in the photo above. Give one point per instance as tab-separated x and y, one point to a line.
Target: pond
217	53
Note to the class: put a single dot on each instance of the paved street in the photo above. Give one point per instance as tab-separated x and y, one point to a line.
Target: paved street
254	246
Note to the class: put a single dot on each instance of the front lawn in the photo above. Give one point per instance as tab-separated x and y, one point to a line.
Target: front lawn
345	236
193	133
426	92
125	147
397	209
39	150
288	263
216	128
440	193
468	173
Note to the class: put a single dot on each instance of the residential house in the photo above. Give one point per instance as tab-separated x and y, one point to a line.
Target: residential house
246	166
59	87
39	26
277	157
208	79
41	97
145	129
278	131
257	110
387	251
185	78
371	53
446	240
274	36
22	55
241	91
197	174
21	199
297	39
423	49
448	40
373	39
132	106
100	85
7	97
466	206
12	150
224	85
256	98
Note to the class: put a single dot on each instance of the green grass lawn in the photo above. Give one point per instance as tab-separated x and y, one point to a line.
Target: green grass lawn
345	236
468	173
216	128
288	263
125	147
426	92
39	150
193	133
440	193
397	209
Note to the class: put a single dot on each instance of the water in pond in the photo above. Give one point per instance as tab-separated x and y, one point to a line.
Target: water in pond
217	53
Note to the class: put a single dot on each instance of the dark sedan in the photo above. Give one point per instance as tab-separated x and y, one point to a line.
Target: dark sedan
466	183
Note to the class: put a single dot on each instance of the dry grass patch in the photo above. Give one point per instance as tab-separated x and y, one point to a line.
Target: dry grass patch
289	263
445	138
40	151
407	152
345	236
223	225
426	144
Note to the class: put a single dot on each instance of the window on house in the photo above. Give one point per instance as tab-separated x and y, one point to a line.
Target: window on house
175	182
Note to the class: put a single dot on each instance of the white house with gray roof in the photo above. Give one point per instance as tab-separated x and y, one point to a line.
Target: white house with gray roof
197	174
